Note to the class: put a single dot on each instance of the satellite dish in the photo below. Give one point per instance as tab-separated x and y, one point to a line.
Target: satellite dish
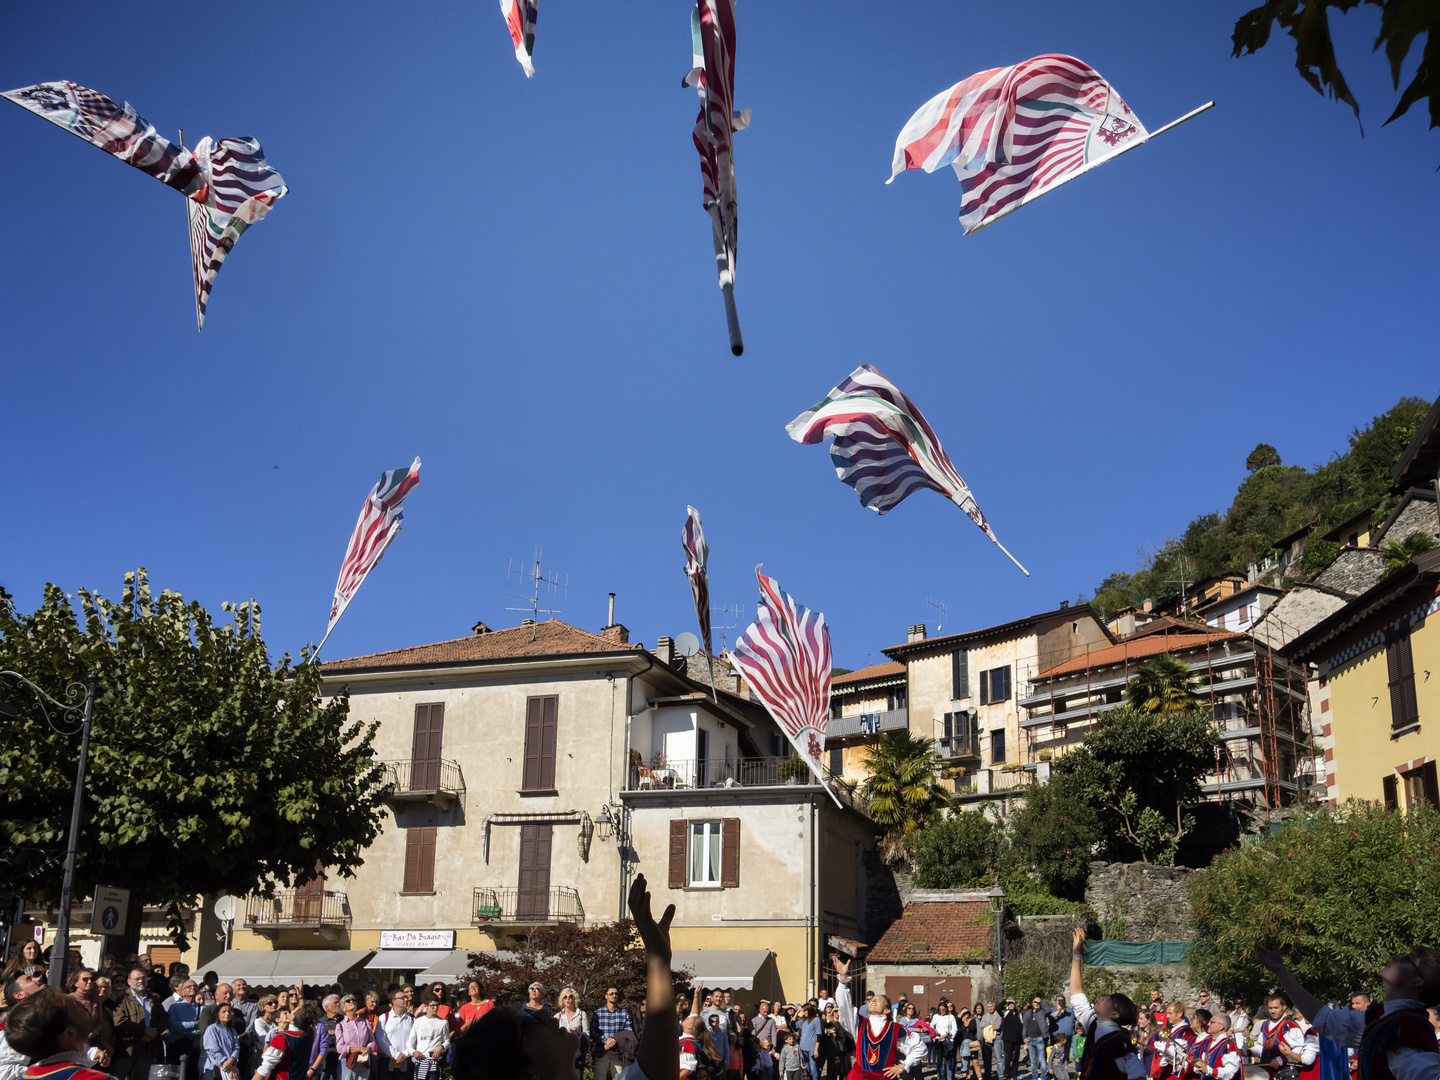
225	908
687	644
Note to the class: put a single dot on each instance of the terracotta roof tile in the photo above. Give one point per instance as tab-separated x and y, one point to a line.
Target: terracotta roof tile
552	638
875	671
937	932
1140	649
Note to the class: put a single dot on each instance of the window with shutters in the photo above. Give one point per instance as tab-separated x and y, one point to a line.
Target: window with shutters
895	698
419	860
995	685
997	747
706	849
540	721
1404	710
533	893
426	746
837	761
1420	784
959	674
1391	787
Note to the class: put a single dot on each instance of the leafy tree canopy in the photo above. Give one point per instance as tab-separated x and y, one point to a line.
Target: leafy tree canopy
1053	833
1273	501
1263	456
1338	894
963	850
210	771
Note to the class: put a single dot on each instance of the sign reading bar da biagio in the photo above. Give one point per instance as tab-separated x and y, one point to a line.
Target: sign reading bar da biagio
417	939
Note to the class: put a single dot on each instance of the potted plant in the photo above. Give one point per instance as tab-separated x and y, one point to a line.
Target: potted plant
792	770
1046	755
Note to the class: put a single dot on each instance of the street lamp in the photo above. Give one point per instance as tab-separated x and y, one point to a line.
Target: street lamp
997	908
60	951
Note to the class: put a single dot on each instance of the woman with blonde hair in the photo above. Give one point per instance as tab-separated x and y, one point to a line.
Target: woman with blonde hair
570	1017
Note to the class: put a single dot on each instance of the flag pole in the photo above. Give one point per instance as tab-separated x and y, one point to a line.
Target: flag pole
1081	172
1011	557
189	228
710	664
732	320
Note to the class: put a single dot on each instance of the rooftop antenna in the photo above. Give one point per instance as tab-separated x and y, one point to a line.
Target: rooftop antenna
941	609
1182	567
539	583
730	617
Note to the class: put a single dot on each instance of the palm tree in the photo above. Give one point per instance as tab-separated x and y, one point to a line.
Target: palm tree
1399	553
1163	685
903	789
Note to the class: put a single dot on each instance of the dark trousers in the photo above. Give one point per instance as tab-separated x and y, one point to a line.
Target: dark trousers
1012	1060
987	1059
608	1065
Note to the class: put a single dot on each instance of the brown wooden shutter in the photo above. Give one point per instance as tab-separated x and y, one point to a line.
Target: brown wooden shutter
530	778
533	897
730	853
412	861
959	674
1404	709
677	853
549	708
426	746
425	877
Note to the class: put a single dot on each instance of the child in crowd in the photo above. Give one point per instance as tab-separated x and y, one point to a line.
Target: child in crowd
764	1066
792	1063
428	1037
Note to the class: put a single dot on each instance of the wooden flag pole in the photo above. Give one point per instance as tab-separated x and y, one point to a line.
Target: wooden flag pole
1082	171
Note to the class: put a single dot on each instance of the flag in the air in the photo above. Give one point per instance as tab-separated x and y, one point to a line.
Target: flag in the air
379	522
520	20
784	656
228	182
1013	133
692	539
712	73
884	447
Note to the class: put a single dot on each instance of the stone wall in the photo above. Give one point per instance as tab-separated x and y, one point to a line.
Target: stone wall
1140	901
1354	571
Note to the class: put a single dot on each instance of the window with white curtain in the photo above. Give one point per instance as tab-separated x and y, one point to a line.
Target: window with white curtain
704	853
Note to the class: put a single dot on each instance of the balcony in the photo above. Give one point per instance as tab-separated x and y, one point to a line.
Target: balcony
992	783
297	909
672	774
435	781
513	907
841	727
957	748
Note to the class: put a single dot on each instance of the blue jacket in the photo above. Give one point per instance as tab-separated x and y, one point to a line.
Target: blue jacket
1064	1022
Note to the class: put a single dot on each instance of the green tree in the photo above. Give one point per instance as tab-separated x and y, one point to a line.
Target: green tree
903	789
210	771
1163	685
955	852
1052	835
1262	456
1401	553
1140	771
1308	22
1337	893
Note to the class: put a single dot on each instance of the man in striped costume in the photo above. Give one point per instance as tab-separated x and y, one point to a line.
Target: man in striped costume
884	1050
1107	1054
1278	1041
1217	1056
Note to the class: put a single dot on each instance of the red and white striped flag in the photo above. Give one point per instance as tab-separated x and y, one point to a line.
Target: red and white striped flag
520	21
379	524
692	539
785	657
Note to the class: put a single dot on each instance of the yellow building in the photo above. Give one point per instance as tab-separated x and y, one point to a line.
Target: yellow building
1379	696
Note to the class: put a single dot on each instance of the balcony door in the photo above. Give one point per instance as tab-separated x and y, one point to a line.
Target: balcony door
310	900
533	896
425	750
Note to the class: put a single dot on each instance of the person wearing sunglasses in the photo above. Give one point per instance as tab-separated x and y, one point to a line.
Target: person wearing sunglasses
516	1045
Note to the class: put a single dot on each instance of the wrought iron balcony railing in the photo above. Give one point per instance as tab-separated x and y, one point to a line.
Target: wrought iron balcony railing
291	909
677	774
526	907
423	780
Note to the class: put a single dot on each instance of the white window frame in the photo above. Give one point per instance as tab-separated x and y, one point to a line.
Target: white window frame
706	832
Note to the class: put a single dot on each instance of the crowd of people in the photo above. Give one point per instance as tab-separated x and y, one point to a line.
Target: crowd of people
118	1024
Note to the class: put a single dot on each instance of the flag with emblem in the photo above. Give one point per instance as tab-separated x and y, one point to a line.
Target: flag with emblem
520	21
379	524
712	73
884	447
1015	133
785	658
227	181
692	540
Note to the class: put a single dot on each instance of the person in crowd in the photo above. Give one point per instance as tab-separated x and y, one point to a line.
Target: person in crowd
809	1040
1062	1032
392	1034
224	995
1035	1029
791	1063
763	1024
248	1006
139	1023
838	1046
967	1052
222	1046
764	1067
429	1037
1012	1038
325	1034
709	1065
1277	1040
205	992
535	1003
48	1028
27	960
569	1017
1217	1055
354	1041
16	990
1239	1020
282	999
183	1034
1157	1008
476	1005
1393	1036
101	1038
1202	1001
287	1056
1107	1052
1174	1042
883	1049
262	1030
606	1023
942	1047
989	1022
1143	1042
735	1062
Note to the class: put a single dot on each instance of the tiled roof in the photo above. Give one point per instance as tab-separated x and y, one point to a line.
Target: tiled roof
1140	649
1009	629
875	671
936	933
553	638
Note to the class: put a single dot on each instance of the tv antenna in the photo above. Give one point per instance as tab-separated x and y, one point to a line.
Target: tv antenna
539	583
941	609
1182	567
730	617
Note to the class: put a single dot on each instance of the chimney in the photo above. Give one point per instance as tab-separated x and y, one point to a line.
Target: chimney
615	634
1064	604
611	620
917	632
1147	605
527	622
665	650
480	628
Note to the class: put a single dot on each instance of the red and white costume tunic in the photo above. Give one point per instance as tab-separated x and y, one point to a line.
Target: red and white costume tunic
276	1060
1217	1056
1268	1036
1107	1054
1390	1038
880	1042
1175	1048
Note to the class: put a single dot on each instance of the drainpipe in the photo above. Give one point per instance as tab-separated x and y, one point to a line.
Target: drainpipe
622	827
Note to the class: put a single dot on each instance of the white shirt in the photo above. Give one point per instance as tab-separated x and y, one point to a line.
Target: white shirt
909	1048
392	1033
1130	1064
272	1055
945	1026
427	1034
1294	1039
1346	1026
1229	1061
12	1062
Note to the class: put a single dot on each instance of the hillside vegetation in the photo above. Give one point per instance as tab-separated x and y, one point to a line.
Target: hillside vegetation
1273	501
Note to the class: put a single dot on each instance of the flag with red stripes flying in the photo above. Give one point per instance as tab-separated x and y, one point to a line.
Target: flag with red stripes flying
379	523
692	539
520	18
785	657
1014	133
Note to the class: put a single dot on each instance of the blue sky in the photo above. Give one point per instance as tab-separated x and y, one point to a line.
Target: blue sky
513	279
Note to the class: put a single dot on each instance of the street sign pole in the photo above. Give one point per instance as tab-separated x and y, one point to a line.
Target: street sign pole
60	952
